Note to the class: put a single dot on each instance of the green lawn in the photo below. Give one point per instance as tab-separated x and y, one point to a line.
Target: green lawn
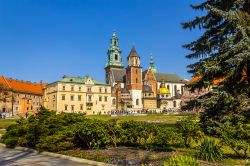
171	119
4	123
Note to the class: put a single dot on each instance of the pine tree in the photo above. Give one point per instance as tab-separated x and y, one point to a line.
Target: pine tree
222	52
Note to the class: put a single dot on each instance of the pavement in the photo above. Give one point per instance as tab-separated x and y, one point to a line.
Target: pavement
14	157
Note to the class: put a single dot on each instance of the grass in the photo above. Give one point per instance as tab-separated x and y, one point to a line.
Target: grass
171	119
5	123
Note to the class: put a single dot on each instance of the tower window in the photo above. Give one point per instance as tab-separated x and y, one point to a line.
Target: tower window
137	101
174	103
136	80
116	57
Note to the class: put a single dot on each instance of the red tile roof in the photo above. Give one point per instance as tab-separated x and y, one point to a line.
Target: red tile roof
22	86
215	82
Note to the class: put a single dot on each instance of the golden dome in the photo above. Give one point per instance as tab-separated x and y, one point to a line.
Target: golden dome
163	91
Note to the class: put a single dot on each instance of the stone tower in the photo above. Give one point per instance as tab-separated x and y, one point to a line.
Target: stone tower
134	78
114	67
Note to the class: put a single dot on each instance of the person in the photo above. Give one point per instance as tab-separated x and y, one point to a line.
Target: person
26	114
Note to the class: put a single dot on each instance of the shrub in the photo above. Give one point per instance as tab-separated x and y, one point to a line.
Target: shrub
167	138
182	161
14	133
62	140
237	137
92	133
138	133
190	130
210	151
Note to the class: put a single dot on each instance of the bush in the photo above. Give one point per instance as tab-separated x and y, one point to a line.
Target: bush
57	132
60	141
237	138
190	130
92	133
210	151
167	138
182	161
138	133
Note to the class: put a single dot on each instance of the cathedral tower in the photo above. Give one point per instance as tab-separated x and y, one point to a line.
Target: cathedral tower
134	78
114	67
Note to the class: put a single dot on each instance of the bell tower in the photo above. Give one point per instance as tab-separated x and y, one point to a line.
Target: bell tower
114	64
134	78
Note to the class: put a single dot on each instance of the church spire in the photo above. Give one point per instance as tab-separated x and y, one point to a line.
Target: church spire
114	52
152	64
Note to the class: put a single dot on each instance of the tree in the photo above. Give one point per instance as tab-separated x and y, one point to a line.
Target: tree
223	52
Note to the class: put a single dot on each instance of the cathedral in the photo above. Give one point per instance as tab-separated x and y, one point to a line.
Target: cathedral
135	90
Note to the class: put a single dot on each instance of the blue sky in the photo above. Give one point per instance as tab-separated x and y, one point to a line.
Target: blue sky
46	39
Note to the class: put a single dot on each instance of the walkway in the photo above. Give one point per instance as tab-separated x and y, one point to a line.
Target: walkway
12	157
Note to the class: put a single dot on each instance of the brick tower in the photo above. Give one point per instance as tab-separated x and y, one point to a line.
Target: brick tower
134	78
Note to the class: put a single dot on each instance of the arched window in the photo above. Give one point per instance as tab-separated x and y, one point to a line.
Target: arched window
136	80
113	102
116	57
137	101
174	103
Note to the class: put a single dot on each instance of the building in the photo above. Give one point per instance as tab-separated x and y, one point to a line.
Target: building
78	95
141	88
19	97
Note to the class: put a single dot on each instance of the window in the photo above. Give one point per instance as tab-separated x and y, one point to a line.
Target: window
136	80
81	107
116	57
79	97
66	107
106	90
63	97
136	71
27	108
100	98
72	97
182	89
16	108
113	102
174	103
89	89
106	98
100	90
80	88
72	87
168	87
137	101
89	98
175	89
72	107
63	88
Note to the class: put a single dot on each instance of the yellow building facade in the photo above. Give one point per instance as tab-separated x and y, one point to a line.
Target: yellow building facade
78	95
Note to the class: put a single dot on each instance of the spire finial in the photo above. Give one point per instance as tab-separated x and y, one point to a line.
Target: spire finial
152	64
114	32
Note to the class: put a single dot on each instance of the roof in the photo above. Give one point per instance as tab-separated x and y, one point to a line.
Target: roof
22	86
174	78
124	90
163	91
215	81
80	80
133	53
147	88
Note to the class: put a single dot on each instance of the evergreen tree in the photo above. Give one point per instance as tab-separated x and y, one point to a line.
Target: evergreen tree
223	53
